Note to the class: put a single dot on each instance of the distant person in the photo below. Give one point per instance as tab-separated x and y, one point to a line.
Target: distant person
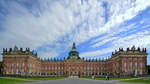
93	77
106	77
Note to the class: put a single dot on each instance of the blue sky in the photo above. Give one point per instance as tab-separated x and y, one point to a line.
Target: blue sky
98	27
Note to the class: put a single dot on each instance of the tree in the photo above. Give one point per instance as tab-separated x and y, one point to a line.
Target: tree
148	67
1	67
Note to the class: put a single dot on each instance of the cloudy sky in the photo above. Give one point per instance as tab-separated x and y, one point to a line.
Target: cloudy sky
98	27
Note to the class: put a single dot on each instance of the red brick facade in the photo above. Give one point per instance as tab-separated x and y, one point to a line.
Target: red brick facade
124	62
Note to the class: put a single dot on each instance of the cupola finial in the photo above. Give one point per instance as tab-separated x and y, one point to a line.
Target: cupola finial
74	45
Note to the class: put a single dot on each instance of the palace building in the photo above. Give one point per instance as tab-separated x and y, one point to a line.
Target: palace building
19	62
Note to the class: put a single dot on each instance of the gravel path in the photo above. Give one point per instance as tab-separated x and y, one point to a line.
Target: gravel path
79	81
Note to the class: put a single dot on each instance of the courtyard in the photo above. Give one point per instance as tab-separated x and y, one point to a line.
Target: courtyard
80	81
71	80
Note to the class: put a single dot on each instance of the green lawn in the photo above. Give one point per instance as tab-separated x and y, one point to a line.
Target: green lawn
41	78
111	78
115	78
142	80
12	81
88	77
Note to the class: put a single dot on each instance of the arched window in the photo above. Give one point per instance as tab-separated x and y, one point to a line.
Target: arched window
141	66
22	67
12	68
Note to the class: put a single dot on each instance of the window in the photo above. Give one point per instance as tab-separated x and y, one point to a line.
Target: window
7	68
17	64
131	67
141	68
12	68
17	71
30	68
125	67
30	65
17	68
22	67
136	68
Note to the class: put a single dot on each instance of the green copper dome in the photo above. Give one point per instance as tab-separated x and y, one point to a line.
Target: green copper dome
73	53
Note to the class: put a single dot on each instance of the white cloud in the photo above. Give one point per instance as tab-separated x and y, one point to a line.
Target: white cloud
55	20
45	55
104	41
97	52
120	11
139	40
110	36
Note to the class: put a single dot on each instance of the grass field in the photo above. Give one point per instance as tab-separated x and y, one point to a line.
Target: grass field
142	80
41	78
12	81
16	80
133	80
103	78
